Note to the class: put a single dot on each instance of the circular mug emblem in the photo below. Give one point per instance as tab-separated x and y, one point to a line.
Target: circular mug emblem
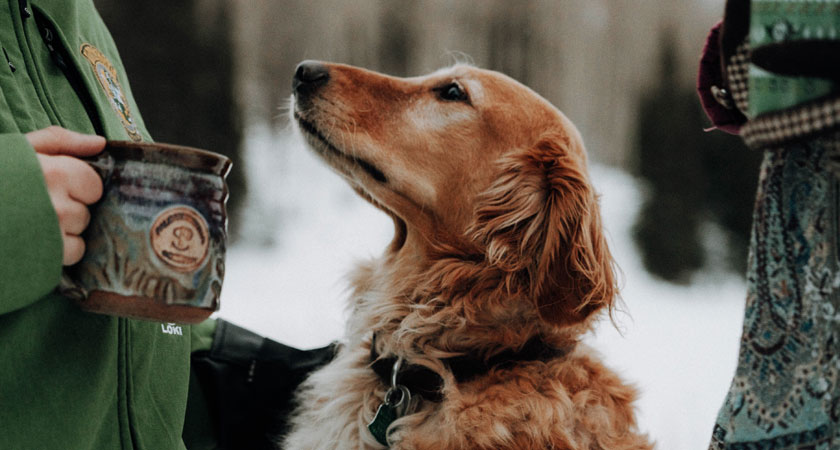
180	238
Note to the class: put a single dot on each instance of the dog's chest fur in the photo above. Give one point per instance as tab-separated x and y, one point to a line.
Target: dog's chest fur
567	403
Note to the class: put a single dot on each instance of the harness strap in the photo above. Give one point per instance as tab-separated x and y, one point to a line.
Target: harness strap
427	383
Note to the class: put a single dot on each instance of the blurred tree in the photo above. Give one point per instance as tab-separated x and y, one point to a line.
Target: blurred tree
398	41
179	57
692	176
731	170
667	229
509	39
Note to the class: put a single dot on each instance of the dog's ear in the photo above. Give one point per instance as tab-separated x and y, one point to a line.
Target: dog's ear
539	223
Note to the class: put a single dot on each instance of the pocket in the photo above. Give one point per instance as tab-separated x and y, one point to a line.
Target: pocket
9	63
10	121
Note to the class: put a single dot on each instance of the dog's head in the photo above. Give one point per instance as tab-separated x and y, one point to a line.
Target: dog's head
467	162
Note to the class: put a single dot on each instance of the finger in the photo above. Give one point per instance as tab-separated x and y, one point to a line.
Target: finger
56	140
87	185
74	249
71	175
73	217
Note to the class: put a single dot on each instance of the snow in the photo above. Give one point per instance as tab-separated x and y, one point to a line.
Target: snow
678	345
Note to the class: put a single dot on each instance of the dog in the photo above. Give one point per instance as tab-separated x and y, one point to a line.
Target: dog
465	333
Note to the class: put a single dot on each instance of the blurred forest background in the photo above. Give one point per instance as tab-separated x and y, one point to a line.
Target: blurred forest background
208	72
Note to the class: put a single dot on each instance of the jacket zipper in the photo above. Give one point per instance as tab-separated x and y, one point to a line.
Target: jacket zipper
60	57
11	66
24	9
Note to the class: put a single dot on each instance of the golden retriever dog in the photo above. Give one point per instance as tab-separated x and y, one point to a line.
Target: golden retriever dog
465	333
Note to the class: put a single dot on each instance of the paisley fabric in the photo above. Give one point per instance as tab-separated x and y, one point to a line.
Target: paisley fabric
785	393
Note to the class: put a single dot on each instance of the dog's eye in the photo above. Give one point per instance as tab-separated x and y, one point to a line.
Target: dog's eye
453	92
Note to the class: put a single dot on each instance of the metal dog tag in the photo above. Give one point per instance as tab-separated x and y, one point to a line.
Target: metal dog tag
392	409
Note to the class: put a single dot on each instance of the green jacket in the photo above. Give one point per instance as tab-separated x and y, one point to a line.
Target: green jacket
68	379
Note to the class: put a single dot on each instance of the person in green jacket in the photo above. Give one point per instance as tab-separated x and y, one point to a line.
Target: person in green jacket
72	380
69	379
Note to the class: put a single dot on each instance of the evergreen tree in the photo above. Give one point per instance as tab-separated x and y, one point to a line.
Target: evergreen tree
692	176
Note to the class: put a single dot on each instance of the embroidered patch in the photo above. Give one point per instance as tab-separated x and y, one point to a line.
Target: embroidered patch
107	76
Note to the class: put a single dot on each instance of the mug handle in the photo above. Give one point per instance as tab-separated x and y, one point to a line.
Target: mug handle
102	163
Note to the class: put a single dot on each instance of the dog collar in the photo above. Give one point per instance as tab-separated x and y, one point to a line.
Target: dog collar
427	383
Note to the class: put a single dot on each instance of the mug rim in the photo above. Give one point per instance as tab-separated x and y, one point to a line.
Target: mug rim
172	154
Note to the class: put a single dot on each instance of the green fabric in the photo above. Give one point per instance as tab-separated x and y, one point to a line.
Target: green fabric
27	271
69	380
202	335
199	433
783	21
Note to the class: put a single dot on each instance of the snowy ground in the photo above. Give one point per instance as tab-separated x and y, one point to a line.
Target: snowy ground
305	229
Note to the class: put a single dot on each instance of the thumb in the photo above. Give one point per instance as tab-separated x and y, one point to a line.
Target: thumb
55	140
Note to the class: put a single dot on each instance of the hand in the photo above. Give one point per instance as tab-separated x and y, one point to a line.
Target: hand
71	183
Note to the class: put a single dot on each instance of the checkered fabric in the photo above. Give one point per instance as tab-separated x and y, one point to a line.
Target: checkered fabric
775	129
737	76
805	121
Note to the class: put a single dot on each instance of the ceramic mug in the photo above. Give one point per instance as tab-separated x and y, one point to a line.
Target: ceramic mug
155	246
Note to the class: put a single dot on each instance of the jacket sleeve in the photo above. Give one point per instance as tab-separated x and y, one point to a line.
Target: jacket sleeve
30	238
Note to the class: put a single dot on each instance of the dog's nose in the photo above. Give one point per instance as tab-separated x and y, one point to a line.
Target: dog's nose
309	76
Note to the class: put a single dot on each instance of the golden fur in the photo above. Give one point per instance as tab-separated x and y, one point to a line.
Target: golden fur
498	239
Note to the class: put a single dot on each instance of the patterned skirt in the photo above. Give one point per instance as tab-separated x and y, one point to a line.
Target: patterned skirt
785	393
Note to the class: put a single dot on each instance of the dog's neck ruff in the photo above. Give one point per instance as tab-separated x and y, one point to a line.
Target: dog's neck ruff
427	383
